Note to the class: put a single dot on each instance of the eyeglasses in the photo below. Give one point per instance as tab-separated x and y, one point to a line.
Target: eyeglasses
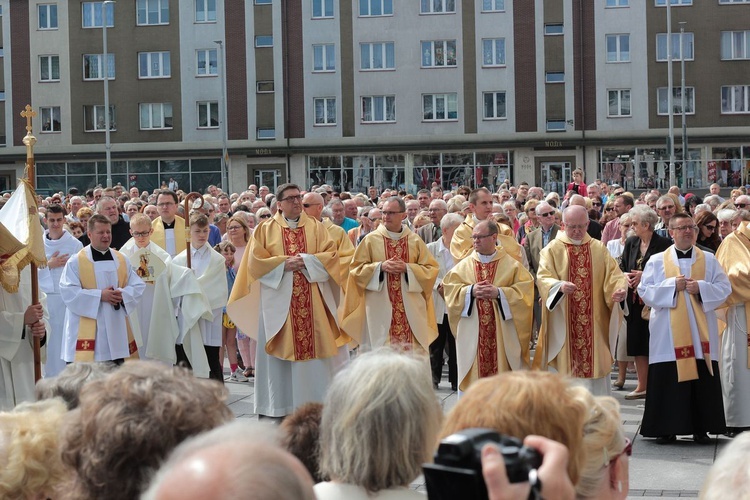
264	216
329	192
546	214
609	209
292	198
740	205
575	227
596	204
618	193
373	219
308	205
141	234
711	228
668	207
234	228
684	228
628	450
480	236
388	214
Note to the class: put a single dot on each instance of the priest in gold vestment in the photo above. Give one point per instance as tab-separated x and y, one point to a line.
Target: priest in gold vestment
489	299
282	297
480	201
389	288
169	228
580	286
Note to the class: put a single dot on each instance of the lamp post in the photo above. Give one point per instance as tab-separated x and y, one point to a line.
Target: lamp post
682	100
672	176
105	64
222	118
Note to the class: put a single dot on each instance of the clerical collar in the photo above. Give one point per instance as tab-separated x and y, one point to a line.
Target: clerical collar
168	225
50	238
576	242
393	235
97	255
684	254
291	220
484	259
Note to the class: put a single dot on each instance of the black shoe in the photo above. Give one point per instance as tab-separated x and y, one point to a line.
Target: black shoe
702	438
732	432
666	439
454	387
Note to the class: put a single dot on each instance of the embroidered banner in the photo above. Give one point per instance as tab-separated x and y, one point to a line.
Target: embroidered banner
487	346
301	307
580	312
400	330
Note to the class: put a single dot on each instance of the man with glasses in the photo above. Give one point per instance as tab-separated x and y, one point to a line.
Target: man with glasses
623	204
489	297
580	285
389	289
338	214
283	295
683	286
169	228
312	203
666	208
430	232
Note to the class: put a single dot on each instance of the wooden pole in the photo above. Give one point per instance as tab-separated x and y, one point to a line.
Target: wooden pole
29	140
188	205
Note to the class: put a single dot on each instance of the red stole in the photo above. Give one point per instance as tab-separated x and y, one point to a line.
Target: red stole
400	330
301	306
580	312
487	346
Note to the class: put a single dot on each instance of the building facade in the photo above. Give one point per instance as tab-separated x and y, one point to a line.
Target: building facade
388	93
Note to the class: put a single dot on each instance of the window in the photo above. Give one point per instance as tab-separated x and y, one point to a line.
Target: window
618	3
92	14
94	119
437	6
264	41
47	17
619	102
677	51
553	29
205	11
155	115
493	52
438	53
379	109
618	48
265	134
735	45
375	56
734	1
50	119
153	65
375	7
207	62
264	87
555	125
152	12
554	77
735	99
663	3
208	114
325	110
494	105
92	66
439	107
661	94
263	2
322	9
49	68
493	5
324	57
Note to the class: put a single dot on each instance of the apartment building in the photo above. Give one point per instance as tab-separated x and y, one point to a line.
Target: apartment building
392	93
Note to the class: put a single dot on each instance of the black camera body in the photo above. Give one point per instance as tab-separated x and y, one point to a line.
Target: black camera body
457	471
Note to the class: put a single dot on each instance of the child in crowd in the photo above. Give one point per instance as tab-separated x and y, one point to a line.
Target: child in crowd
228	329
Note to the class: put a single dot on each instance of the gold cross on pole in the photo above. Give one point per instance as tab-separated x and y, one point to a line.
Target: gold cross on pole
28	113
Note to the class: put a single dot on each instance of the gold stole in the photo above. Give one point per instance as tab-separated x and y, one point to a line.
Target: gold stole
87	326
301	307
581	311
181	234
743	237
687	368
400	330
487	345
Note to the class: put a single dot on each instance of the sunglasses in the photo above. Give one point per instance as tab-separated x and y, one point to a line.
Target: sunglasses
740	205
308	205
597	204
608	209
546	214
710	227
265	216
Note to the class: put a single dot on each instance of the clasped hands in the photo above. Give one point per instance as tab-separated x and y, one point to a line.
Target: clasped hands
567	288
484	290
33	319
393	266
112	296
294	263
687	284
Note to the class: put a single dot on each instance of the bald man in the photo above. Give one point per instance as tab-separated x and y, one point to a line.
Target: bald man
595	229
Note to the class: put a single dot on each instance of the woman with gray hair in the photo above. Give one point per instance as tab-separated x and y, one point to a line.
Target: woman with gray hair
380	423
638	250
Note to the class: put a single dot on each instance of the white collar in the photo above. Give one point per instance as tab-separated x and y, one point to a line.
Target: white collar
484	259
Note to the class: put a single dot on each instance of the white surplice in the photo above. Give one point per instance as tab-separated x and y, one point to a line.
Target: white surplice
49	283
111	329
735	379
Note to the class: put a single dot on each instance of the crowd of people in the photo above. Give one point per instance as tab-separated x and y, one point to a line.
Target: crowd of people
522	292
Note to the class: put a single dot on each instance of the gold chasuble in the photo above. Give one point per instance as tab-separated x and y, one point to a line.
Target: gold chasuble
345	248
488	340
387	308
86	339
579	330
308	330
461	244
734	257
180	234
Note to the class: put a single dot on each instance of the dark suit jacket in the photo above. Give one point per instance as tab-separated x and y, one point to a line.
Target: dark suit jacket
595	230
533	246
632	247
120	235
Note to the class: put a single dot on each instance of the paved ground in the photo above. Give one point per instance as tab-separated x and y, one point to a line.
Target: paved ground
656	471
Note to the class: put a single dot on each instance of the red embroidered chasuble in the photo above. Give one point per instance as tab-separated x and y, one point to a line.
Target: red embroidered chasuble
487	347
580	312
400	330
301	307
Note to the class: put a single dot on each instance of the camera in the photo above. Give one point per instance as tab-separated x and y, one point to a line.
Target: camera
457	470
